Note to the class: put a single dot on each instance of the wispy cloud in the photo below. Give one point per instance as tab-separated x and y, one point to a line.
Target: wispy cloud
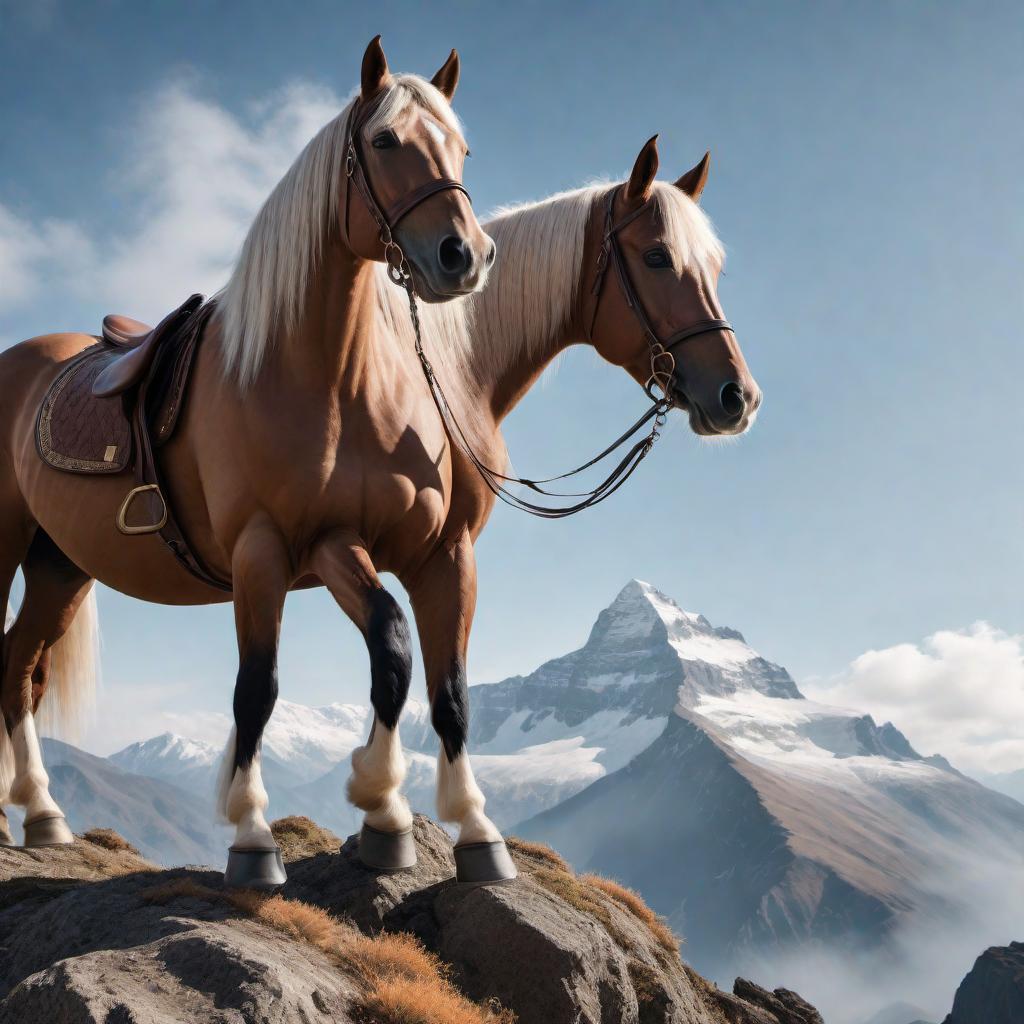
189	185
959	693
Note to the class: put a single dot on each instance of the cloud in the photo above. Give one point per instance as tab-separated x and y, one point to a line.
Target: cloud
30	253
959	693
189	180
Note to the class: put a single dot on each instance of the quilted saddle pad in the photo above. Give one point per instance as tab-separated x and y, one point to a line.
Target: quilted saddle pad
77	432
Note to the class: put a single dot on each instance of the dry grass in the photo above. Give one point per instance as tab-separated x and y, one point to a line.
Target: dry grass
401	982
569	888
536	852
634	903
301	837
109	840
178	889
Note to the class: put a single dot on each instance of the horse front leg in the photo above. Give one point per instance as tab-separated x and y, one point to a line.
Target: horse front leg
443	597
378	768
261	572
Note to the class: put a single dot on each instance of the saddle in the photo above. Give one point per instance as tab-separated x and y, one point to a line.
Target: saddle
119	401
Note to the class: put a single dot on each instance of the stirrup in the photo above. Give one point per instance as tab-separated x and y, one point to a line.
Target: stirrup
122	515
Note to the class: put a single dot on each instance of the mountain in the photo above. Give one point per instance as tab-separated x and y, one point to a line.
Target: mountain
166	823
1010	783
757	819
668	753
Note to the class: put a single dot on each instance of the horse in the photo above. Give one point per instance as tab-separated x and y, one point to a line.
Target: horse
307	444
549	289
657	316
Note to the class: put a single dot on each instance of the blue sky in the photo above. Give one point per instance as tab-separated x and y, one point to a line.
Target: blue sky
866	180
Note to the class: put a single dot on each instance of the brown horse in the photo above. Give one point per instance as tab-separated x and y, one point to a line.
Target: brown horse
307	441
410	502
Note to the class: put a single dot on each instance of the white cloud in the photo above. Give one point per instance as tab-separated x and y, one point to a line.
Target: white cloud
959	693
189	178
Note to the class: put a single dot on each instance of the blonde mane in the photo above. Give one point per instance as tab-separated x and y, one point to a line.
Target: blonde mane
263	298
531	294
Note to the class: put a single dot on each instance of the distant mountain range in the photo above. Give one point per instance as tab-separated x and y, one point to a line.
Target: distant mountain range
665	752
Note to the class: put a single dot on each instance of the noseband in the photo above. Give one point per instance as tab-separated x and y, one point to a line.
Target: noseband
385	219
663	361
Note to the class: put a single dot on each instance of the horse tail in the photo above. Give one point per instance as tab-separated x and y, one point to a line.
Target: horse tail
70	697
6	750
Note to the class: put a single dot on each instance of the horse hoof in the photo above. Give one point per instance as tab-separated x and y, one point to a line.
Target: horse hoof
387	851
483	864
6	839
255	869
50	831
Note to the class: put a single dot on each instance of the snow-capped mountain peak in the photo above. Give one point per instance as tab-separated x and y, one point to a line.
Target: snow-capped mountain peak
165	755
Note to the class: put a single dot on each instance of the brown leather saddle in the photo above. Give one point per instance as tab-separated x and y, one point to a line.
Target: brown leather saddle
117	402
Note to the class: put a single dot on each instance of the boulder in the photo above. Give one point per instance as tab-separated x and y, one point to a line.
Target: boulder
993	990
94	933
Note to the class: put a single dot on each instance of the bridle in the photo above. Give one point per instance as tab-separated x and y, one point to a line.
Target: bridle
386	220
662	359
663	362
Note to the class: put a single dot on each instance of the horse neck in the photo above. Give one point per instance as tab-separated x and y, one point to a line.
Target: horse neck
505	381
327	345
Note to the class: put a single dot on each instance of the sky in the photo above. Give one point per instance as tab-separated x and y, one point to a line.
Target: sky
866	182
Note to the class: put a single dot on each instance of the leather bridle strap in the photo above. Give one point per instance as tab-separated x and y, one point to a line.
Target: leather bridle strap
663	361
355	174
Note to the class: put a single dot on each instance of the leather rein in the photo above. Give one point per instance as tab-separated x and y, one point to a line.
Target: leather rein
662	359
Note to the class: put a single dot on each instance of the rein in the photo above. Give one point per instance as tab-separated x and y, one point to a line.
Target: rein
662	360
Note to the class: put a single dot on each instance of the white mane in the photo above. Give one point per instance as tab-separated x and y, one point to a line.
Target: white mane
264	295
529	300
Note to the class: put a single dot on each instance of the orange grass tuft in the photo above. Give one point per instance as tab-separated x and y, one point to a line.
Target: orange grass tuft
634	903
536	851
415	1001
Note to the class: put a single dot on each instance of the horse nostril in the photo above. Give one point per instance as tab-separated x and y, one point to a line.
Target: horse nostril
453	255
731	400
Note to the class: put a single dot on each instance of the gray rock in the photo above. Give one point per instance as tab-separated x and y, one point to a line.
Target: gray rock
93	934
993	990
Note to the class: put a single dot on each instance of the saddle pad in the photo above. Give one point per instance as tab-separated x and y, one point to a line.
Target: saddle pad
77	432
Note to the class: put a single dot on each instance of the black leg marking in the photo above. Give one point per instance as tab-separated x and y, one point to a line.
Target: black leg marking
390	647
255	696
450	711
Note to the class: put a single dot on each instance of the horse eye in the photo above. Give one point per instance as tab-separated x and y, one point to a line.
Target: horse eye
657	258
385	140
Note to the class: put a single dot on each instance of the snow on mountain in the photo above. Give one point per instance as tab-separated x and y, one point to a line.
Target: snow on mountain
166	756
756	820
535	740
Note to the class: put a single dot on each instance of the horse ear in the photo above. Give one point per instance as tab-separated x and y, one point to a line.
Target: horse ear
447	77
375	69
694	180
641	178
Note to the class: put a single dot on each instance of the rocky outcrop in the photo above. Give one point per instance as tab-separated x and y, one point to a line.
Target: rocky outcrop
94	933
993	990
